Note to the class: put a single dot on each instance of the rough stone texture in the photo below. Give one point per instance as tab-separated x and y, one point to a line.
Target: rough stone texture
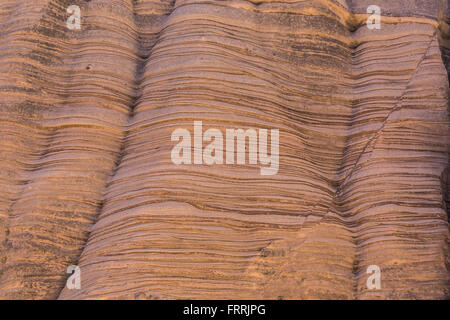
86	176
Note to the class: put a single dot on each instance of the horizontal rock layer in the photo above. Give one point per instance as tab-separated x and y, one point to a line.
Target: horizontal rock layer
86	176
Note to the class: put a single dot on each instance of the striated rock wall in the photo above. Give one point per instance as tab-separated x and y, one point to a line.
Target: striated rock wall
86	176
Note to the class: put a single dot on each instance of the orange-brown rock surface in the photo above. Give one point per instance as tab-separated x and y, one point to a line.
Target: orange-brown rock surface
86	176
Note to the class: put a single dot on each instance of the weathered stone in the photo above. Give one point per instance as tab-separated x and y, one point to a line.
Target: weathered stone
86	176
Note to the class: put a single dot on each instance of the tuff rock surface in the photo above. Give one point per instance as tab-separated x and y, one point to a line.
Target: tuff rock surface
86	176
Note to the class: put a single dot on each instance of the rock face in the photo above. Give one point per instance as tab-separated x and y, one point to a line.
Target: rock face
86	176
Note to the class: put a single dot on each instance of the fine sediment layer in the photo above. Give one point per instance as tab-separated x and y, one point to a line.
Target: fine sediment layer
86	118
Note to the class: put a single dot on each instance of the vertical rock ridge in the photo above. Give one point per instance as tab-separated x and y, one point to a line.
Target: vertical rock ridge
146	27
80	153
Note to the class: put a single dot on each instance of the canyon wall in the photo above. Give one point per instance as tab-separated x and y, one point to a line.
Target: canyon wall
86	176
